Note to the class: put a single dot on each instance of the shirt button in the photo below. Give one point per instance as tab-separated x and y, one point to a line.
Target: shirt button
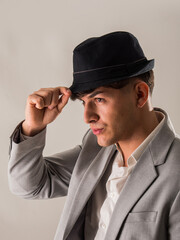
112	195
103	225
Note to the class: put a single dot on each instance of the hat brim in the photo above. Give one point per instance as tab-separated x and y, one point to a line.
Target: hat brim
85	81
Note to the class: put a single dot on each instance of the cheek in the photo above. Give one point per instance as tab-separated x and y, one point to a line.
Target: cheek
109	116
112	120
114	115
120	117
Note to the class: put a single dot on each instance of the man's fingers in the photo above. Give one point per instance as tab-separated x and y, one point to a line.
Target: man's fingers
54	99
36	101
64	90
50	97
63	100
57	94
43	107
46	94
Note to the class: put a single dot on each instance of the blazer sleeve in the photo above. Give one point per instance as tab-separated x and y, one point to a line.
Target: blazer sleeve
33	176
174	219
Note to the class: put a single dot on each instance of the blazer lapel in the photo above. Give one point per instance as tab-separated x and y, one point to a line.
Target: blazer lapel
140	179
88	183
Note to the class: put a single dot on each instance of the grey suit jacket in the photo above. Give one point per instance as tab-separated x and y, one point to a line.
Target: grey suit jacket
148	207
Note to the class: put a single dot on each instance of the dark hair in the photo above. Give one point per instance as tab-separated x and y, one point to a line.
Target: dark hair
147	77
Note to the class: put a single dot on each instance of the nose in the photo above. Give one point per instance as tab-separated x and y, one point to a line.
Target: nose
90	113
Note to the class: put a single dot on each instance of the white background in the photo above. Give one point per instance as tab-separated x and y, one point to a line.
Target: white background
37	38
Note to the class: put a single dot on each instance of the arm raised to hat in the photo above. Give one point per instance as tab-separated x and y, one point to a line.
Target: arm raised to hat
42	107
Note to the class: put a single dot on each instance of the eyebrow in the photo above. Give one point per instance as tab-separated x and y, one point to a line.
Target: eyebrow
95	93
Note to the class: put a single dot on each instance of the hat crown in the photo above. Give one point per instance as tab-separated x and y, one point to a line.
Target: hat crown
109	50
100	61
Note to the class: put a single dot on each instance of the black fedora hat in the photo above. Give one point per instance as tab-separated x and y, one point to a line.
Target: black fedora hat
100	61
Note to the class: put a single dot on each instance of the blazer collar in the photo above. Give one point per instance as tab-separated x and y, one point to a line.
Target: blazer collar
161	144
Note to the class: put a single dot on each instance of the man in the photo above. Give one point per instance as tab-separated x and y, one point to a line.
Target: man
123	181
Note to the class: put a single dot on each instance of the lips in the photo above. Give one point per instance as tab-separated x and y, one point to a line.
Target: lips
97	131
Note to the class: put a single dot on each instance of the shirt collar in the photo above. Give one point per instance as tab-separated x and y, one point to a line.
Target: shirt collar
139	150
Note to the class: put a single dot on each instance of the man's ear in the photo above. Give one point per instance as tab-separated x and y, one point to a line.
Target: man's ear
142	93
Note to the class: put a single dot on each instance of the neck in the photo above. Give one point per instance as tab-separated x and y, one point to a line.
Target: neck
147	123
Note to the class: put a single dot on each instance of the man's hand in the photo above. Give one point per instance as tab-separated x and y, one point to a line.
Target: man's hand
43	107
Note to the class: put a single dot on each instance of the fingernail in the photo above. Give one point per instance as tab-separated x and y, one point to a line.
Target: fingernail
50	107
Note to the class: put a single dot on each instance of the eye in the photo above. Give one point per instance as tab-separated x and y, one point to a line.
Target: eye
99	100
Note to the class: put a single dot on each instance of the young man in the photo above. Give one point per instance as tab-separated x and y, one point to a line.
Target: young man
123	181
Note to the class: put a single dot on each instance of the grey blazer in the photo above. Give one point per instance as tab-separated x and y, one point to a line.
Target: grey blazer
148	207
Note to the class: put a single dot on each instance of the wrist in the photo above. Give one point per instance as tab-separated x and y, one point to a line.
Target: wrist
29	130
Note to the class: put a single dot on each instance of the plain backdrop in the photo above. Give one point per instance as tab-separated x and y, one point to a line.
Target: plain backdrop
37	38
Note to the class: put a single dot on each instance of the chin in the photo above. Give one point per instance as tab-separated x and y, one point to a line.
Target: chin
105	142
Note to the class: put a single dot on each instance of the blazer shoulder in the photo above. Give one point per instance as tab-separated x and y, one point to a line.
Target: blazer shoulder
175	147
173	163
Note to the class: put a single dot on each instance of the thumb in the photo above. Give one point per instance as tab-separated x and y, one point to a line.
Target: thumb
63	101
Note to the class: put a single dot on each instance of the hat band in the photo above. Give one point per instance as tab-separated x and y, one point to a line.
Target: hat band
98	74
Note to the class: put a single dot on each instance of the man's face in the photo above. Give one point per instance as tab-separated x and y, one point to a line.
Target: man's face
111	113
